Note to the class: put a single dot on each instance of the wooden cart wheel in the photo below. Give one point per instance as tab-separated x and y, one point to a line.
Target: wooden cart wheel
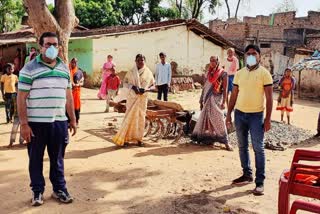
161	129
166	126
179	131
147	127
157	127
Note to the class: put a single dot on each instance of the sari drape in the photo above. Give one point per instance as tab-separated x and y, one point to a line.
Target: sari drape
210	126
132	127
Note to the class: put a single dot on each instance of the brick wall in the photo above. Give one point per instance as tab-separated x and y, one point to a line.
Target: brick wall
313	42
238	31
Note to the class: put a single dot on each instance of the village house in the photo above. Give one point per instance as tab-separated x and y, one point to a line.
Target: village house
284	39
279	35
187	43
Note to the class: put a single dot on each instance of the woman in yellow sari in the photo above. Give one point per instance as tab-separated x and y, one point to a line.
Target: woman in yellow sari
138	80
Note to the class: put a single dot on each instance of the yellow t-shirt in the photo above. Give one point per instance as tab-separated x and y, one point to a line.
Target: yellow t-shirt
9	82
251	89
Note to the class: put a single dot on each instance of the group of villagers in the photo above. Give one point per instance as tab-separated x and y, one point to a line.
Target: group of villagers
210	126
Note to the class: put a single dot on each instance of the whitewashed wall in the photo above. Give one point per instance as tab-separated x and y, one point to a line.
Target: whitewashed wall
189	50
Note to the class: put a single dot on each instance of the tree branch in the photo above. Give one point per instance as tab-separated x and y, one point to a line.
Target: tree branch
236	13
37	9
228	8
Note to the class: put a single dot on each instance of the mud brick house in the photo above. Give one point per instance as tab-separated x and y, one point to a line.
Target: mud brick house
188	45
279	35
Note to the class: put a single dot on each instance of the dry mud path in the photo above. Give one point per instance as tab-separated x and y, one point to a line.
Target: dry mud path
157	179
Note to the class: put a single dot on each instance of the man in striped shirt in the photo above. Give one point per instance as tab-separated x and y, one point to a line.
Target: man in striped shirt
44	96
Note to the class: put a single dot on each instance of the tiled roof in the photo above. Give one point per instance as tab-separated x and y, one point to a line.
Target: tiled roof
26	34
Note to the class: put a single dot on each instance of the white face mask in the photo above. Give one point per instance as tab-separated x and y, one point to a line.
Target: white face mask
251	60
51	52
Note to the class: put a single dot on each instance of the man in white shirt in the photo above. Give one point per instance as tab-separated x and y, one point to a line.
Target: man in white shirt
163	77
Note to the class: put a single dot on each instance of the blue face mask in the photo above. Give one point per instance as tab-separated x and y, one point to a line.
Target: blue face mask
51	52
251	60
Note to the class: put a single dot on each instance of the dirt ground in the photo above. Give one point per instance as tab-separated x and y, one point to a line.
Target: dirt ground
157	179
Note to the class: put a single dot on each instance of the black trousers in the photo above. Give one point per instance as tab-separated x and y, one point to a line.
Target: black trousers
55	137
163	89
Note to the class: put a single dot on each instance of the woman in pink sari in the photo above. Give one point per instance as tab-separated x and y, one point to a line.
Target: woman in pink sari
102	94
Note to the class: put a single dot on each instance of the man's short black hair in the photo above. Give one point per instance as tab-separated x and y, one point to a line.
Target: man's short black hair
162	54
251	46
45	35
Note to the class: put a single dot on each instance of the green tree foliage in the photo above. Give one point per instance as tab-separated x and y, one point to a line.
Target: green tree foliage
157	13
96	13
99	13
11	13
130	11
194	9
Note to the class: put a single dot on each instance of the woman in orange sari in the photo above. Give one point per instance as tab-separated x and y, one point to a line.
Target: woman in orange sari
77	79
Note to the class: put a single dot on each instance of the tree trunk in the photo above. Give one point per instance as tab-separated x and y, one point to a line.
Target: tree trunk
62	24
236	13
200	3
179	6
194	8
228	8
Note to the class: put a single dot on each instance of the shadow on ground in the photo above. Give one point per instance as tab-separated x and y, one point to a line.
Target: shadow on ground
105	134
175	150
311	142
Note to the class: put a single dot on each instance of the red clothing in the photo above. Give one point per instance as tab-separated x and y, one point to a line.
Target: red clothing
113	82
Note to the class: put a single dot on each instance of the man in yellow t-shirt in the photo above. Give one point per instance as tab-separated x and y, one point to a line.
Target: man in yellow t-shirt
251	84
9	82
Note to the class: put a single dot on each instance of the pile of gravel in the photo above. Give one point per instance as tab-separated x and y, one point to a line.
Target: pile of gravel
280	136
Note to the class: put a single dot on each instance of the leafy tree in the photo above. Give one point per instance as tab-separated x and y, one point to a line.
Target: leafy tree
11	13
157	13
96	13
99	13
131	11
189	9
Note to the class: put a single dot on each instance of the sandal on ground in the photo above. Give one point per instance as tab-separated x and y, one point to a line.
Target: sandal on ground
141	144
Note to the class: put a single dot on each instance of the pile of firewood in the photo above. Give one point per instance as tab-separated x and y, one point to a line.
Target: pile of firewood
182	83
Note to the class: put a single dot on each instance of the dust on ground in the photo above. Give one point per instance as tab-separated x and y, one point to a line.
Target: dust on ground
159	178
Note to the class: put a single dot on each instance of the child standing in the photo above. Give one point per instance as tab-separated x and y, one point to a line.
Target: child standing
77	80
285	100
9	82
105	74
112	86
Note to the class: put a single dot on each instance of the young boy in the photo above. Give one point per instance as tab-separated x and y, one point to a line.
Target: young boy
9	82
285	100
112	86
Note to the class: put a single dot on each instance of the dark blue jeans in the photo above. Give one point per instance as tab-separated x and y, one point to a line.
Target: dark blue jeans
55	137
251	123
